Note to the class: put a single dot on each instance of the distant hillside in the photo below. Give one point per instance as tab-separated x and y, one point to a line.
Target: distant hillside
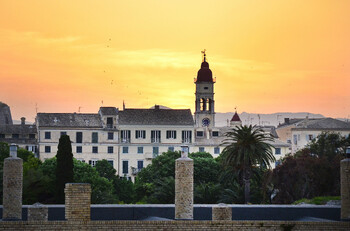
265	119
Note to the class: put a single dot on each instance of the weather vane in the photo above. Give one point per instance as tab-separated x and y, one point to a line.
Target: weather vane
203	52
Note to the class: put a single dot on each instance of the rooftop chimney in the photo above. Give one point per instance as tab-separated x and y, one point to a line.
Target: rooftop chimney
23	121
286	120
156	107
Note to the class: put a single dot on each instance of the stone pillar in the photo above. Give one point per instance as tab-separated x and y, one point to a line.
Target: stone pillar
345	188
184	187
77	201
37	212
221	212
12	188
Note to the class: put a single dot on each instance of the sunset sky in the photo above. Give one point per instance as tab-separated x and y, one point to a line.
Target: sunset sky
267	56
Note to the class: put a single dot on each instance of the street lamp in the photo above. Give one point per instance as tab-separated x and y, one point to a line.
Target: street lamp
13	150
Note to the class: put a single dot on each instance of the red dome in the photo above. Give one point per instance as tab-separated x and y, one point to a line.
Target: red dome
204	74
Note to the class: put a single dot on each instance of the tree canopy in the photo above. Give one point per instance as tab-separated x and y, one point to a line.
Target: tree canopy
247	146
312	171
64	168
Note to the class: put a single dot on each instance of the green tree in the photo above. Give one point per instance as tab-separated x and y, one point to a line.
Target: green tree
4	153
105	169
102	188
37	187
303	176
329	145
164	190
247	146
156	184
124	189
64	168
312	171
206	168
207	193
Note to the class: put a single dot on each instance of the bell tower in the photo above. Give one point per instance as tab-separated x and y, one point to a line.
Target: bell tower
204	112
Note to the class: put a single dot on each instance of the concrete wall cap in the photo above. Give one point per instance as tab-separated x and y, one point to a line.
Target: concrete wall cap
184	159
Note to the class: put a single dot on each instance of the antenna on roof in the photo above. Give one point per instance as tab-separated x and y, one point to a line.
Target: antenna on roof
123	105
36	108
79	109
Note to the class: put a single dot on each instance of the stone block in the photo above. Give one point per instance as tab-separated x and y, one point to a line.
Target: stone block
12	188
345	188
37	212
221	212
184	189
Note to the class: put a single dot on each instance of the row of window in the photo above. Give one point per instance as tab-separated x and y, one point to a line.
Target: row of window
139	134
93	162
125	150
156	135
308	137
79	149
79	136
16	136
201	134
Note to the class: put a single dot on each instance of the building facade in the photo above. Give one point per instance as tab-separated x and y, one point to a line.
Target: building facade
24	135
307	130
146	133
130	138
94	136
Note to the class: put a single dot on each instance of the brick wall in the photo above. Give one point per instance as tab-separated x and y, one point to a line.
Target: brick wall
172	225
77	201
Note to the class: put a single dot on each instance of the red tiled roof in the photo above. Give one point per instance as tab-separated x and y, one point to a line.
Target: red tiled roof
235	117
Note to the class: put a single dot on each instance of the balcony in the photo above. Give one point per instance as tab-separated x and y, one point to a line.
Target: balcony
148	155
155	140
125	140
110	127
187	141
135	171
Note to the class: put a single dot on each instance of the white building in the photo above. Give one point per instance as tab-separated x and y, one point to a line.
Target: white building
306	130
146	133
131	138
94	136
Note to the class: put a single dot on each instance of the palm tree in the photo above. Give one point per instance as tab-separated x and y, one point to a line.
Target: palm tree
247	147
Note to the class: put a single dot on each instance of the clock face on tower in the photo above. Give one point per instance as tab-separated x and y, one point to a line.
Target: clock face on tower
205	122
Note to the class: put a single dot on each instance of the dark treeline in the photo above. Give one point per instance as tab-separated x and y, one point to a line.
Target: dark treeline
313	171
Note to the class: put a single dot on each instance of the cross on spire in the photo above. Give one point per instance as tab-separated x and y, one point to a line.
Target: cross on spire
204	55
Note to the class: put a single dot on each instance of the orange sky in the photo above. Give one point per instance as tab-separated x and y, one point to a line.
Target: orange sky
268	56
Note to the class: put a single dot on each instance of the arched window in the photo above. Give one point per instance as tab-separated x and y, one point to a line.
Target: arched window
210	102
203	104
